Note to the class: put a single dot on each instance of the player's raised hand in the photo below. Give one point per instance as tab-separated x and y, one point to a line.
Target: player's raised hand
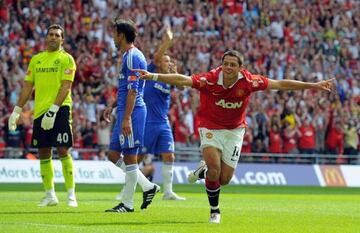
327	85
168	35
144	74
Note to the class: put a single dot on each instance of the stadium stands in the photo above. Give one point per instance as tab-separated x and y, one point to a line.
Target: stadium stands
303	40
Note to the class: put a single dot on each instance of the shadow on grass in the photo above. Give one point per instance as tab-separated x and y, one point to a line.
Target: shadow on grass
162	222
46	212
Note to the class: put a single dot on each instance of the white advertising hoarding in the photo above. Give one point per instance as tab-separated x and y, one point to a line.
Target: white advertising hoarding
351	174
90	172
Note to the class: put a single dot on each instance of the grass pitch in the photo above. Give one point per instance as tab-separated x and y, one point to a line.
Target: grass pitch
243	209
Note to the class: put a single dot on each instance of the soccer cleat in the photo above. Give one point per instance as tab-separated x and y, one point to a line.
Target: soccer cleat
121	208
72	202
49	200
148	196
173	196
193	176
214	218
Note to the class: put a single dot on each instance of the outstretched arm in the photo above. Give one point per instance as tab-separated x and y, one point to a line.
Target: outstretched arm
172	79
326	85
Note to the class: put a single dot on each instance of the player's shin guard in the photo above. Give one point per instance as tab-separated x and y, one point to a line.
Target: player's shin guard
167	172
47	173
131	178
68	172
213	193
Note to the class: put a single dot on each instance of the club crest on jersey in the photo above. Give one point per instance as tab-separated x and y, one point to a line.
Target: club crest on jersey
209	135
229	105
132	78
56	62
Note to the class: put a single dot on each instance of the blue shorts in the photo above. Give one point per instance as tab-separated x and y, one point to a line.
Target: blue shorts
129	145
158	138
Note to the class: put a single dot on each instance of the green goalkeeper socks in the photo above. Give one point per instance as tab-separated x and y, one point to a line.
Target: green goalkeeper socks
68	171
47	173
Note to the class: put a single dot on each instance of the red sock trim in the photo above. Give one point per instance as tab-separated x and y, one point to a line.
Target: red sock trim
212	184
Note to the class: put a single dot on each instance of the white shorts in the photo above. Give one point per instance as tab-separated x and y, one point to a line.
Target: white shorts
228	141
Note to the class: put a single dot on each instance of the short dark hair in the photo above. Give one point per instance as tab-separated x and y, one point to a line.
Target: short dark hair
127	27
56	26
236	54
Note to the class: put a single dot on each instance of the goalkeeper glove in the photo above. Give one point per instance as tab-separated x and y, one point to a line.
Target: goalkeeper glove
49	118
13	118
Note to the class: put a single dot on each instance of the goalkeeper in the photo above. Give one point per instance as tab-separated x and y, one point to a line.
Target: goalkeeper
51	74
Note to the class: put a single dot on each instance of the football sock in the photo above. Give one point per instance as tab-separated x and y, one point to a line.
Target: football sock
144	183
47	173
131	178
213	193
167	173
68	171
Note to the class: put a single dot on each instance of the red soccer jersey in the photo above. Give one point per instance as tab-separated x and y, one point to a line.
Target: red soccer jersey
224	108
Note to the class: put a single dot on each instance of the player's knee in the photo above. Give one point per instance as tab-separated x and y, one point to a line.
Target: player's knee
213	174
113	156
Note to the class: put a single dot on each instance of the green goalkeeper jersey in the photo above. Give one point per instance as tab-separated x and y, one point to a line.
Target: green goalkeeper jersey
46	71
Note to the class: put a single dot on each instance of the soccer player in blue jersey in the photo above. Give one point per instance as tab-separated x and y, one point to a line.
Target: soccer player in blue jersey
128	132
158	133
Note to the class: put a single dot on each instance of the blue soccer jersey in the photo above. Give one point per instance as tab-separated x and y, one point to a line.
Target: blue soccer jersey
158	136
157	99
132	59
129	145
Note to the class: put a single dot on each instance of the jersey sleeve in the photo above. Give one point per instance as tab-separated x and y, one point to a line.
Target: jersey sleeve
30	71
258	83
134	62
200	81
69	68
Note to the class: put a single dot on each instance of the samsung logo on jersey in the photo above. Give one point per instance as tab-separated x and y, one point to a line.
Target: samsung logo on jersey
47	69
161	88
229	105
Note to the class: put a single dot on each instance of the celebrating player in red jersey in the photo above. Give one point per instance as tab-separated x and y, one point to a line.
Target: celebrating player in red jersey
224	95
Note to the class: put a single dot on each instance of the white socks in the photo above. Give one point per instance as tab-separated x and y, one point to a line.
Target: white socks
131	178
144	183
167	173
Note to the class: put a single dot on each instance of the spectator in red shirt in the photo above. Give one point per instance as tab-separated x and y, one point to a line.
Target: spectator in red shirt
306	134
275	140
289	139
334	139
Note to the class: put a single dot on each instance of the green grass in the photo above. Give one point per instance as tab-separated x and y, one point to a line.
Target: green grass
244	209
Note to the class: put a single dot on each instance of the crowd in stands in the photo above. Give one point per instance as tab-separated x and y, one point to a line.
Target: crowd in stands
308	40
